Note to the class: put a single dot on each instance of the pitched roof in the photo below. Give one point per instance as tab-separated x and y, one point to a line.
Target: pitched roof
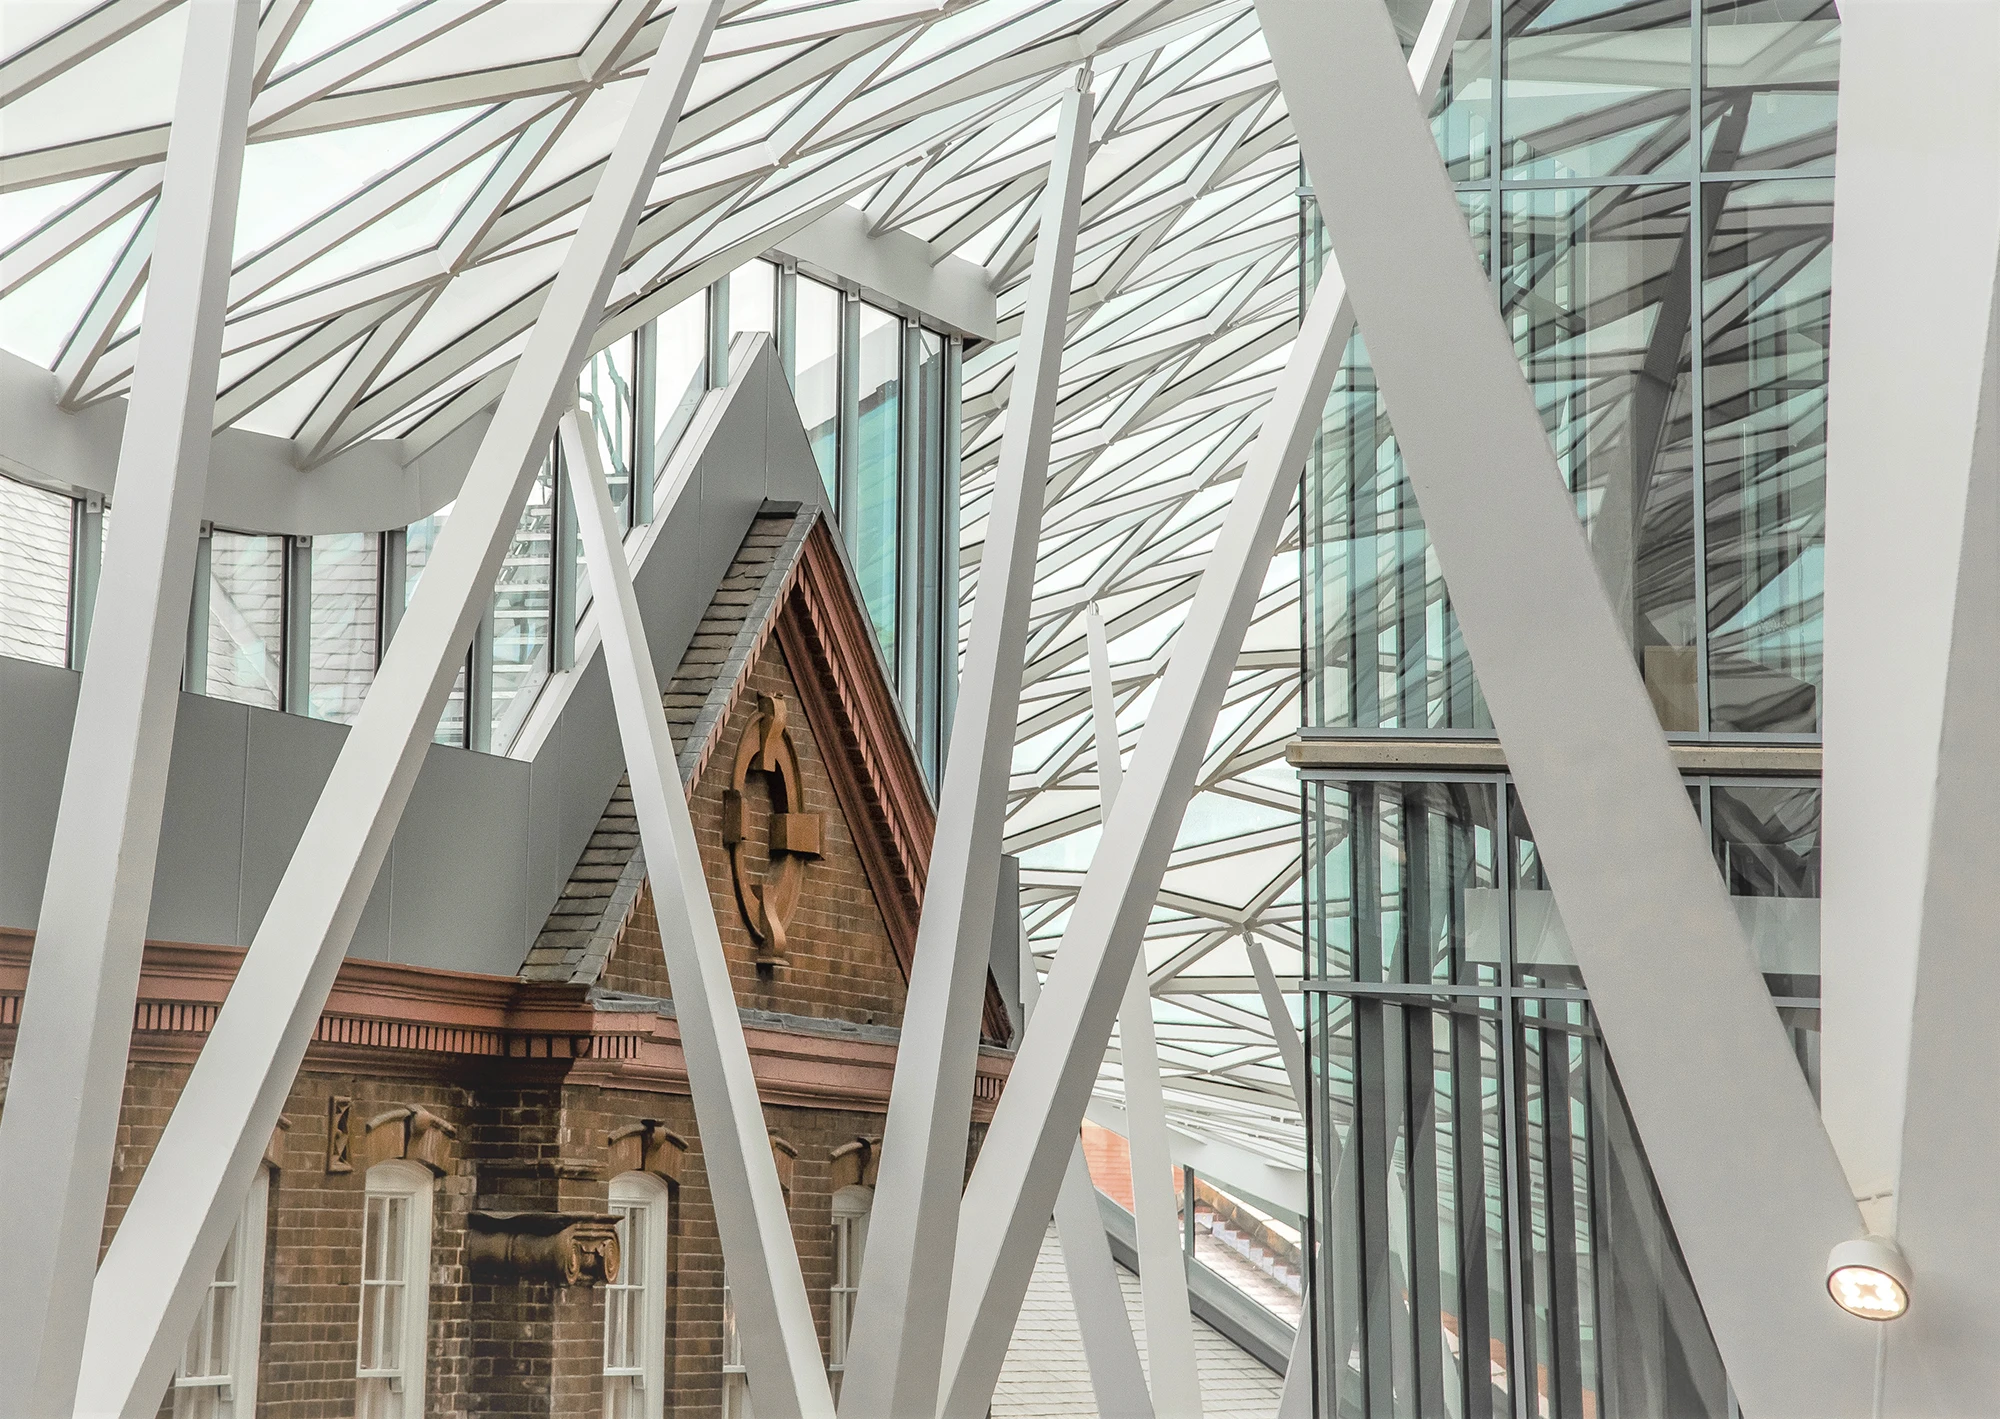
789	579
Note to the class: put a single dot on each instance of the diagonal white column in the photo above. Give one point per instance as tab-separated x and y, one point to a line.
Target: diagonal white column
774	1318
892	1366
60	1125
1170	1361
1918	196
1729	1125
174	1230
1295	1399
1116	1378
1013	1187
1942	1354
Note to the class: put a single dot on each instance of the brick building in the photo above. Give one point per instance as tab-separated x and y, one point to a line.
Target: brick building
487	1195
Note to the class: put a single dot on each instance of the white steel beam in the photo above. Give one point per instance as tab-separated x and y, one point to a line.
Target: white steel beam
158	1265
1117	1379
1013	1187
1911	831
774	1318
1919	189
899	1327
59	1130
1745	1168
1171	1370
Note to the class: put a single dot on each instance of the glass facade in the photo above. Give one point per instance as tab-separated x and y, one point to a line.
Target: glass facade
1649	188
300	623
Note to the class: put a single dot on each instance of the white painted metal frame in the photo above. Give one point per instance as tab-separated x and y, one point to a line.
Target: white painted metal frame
1911	838
59	1130
893	1363
1172	1372
773	1315
178	1219
1730	1128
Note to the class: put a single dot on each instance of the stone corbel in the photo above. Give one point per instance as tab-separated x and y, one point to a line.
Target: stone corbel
274	1147
408	1131
566	1248
647	1146
856	1162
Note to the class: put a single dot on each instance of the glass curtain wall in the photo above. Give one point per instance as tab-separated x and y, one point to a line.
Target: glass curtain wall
1649	187
300	623
1491	1242
1669	302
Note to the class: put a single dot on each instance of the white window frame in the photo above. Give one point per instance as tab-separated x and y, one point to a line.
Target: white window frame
411	1182
642	1269
851	1206
230	1391
735	1378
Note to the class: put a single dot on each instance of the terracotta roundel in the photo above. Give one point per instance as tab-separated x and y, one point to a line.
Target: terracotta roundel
794	837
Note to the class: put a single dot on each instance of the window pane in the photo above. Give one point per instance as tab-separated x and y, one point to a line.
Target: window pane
680	365
817	380
604	400
875	509
246	618
753	298
345	615
521	611
34	573
1767	845
1586	92
1772	69
422	537
1597	284
1767	293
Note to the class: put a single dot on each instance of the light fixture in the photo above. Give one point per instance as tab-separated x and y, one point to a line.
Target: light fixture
1869	1278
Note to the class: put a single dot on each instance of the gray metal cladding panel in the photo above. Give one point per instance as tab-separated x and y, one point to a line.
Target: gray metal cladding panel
197	883
458	863
37	705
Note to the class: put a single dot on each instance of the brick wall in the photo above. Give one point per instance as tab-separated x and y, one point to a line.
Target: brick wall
841	962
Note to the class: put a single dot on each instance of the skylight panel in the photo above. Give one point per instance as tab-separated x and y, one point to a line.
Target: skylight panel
126	85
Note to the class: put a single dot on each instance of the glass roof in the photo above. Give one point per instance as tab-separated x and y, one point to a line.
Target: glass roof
414	176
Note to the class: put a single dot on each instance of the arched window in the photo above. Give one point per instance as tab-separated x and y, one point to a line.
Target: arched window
217	1376
395	1292
850	1240
635	1305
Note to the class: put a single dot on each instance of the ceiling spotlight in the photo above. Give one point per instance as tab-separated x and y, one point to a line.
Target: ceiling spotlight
1869	1278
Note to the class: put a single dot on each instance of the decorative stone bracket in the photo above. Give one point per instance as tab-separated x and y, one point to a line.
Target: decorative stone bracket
786	1155
795	837
408	1131
856	1162
567	1248
648	1146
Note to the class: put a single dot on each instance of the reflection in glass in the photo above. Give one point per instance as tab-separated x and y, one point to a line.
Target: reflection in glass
1771	71
419	541
1597	285
680	373
1766	840
246	619
606	403
817	381
346	591
873	509
1594	89
35	534
1405	882
753	298
1766	294
521	624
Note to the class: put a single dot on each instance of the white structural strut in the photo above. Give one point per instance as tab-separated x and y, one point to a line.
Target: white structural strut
1295	1399
1941	1357
1919	195
774	1318
1171	1368
892	1368
1746	1170
1910	832
175	1228
59	1130
1117	1379
1013	1186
